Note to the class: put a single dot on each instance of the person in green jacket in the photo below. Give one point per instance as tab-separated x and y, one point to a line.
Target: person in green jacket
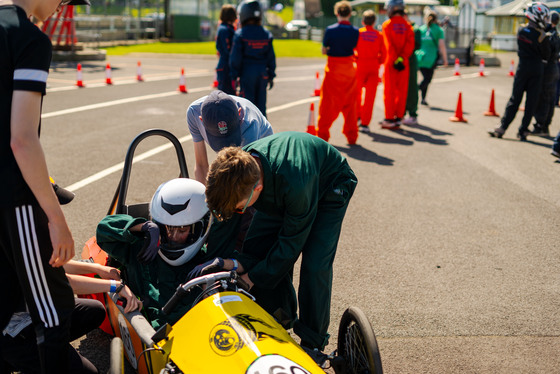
158	254
412	96
300	187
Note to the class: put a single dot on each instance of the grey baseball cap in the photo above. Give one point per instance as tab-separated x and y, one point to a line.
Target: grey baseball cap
220	116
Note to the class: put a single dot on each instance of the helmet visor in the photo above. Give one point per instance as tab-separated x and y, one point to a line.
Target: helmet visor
178	236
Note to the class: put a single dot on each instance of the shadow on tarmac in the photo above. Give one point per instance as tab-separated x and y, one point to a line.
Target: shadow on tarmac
438	109
529	140
360	153
388	139
423	138
433	131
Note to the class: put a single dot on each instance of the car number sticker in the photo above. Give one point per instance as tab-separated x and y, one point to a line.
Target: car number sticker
275	364
127	341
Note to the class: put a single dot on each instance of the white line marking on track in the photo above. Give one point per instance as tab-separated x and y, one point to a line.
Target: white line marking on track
119	102
118	167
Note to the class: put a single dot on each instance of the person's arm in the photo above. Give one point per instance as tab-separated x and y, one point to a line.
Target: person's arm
201	162
271	62
27	150
86	267
443	51
236	57
87	285
115	235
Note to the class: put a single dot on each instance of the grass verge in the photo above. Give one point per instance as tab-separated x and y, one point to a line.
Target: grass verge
282	48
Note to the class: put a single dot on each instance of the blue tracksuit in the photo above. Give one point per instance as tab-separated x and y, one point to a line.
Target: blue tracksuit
253	61
224	40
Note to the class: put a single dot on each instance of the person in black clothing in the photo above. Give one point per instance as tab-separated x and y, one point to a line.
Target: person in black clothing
224	40
533	47
252	59
546	103
35	241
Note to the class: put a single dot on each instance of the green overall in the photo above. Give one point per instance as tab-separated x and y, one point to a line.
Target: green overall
155	282
307	187
412	98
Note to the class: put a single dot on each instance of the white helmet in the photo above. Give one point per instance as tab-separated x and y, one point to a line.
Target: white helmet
539	13
179	208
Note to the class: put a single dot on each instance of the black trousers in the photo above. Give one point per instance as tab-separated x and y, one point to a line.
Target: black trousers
21	353
547	103
27	276
528	78
427	74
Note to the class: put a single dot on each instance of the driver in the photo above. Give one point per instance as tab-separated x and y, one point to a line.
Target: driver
158	254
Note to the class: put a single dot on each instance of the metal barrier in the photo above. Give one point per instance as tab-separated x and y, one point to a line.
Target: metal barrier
96	29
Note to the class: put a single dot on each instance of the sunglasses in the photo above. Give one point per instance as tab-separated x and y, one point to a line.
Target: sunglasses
241	211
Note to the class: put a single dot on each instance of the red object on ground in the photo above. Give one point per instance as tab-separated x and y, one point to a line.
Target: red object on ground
481	68
108	79
457	65
492	108
182	83
317	91
459	111
139	72
79	78
311	128
511	69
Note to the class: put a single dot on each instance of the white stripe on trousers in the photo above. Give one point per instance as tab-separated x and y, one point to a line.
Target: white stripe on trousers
34	266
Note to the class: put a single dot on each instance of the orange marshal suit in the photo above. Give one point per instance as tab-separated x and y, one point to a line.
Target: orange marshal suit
398	37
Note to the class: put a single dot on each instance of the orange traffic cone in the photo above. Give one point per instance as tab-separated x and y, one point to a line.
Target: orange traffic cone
79	78
459	111
139	72
182	84
511	72
481	68
215	83
457	67
317	91
311	129
108	74
491	109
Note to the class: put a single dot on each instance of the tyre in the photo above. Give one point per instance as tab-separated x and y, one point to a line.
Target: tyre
357	344
117	358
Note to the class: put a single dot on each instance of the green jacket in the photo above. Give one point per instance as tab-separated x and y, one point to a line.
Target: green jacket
300	172
153	283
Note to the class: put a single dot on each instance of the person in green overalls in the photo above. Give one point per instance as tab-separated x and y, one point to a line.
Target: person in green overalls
158	254
300	187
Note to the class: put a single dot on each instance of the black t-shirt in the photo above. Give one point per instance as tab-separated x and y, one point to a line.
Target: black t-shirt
25	57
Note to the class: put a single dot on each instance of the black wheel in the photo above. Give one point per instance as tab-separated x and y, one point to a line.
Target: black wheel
357	343
117	358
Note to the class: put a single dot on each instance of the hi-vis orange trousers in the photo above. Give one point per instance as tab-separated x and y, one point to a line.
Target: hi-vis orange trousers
395	90
338	94
367	76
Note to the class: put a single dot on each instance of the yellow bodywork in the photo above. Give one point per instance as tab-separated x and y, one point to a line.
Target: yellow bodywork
229	333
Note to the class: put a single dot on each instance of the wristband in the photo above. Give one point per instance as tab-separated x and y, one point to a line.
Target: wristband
235	264
113	286
120	287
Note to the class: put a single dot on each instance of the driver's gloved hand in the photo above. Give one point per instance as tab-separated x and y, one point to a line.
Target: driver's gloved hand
151	242
212	266
270	84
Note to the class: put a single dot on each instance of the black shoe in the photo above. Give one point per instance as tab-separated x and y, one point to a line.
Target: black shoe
424	102
522	136
364	129
498	132
540	132
555	153
319	357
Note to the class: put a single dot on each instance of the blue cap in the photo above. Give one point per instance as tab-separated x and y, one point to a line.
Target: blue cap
220	116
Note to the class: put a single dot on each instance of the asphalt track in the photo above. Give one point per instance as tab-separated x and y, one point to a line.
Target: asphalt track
450	244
